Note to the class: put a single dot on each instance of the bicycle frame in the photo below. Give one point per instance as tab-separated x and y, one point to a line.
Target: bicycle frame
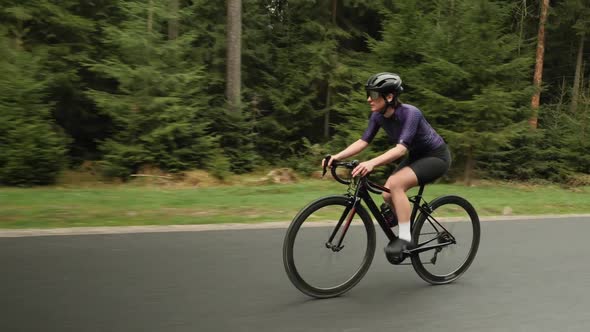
363	188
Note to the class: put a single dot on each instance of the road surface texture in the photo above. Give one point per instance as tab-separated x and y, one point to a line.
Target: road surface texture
527	276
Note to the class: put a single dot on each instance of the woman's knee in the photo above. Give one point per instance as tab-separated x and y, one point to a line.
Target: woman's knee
402	180
396	187
386	197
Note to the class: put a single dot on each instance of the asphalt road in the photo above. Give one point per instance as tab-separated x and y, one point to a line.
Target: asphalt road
527	276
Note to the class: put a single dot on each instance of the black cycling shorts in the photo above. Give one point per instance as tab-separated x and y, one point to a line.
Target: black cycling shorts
429	166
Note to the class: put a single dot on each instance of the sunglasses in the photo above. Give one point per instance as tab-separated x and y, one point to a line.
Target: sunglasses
373	94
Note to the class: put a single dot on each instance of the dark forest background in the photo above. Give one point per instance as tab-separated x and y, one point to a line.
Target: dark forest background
127	84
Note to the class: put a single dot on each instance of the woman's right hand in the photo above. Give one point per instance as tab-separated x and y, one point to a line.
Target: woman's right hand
330	160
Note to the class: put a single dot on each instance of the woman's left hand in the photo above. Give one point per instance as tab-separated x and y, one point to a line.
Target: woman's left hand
363	168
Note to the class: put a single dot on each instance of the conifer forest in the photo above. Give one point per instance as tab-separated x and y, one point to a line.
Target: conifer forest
232	86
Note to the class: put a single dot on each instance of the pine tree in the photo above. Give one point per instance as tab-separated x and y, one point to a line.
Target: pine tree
574	16
32	148
65	31
539	62
234	54
232	127
294	73
158	101
462	68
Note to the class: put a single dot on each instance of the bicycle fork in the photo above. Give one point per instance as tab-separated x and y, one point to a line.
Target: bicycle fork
347	215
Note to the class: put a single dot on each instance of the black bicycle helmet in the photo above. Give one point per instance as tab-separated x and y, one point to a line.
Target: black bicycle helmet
385	83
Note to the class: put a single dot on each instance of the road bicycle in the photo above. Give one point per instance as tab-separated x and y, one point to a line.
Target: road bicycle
330	243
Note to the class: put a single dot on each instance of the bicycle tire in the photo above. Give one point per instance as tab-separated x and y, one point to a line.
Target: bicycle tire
290	263
444	203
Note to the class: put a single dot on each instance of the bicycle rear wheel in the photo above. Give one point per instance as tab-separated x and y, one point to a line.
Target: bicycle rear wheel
322	268
453	221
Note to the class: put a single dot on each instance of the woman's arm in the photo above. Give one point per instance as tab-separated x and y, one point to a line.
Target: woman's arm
393	154
353	149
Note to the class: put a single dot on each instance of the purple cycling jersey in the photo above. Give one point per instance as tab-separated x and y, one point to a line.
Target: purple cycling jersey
408	127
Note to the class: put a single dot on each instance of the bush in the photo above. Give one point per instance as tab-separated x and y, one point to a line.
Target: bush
218	165
530	155
120	160
31	150
31	154
308	160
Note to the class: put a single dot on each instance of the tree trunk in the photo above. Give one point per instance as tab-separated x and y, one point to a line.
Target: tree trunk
150	16
334	8
234	47
327	114
469	165
537	79
523	14
585	103
576	89
18	37
328	88
173	22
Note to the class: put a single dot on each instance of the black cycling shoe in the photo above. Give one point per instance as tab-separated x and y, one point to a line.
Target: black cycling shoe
395	250
398	246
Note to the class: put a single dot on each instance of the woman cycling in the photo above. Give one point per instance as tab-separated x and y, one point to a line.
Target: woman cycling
428	157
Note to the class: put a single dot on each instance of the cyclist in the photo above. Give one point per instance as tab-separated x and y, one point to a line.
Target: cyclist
427	155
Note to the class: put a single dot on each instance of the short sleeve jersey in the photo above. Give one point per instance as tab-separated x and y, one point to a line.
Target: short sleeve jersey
408	127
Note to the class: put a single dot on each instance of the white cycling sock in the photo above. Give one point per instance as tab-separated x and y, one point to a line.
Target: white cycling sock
404	231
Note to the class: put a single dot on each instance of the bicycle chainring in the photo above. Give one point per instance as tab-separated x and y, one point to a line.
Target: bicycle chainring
395	259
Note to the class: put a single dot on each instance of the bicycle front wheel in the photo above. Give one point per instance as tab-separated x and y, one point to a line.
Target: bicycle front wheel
452	230
329	247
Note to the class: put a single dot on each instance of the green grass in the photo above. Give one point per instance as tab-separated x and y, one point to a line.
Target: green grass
132	205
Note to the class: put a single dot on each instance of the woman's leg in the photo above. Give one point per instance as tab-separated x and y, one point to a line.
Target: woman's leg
421	171
387	198
398	184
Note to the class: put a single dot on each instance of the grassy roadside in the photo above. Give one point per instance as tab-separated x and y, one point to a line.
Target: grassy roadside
153	205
